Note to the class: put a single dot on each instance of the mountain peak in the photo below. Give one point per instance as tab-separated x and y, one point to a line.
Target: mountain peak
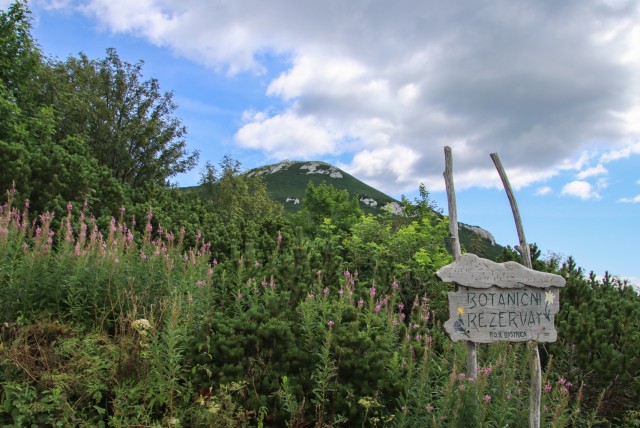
309	167
287	181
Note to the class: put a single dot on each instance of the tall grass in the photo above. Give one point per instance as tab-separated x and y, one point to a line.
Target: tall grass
114	328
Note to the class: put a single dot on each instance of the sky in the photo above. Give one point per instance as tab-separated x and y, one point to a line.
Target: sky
379	88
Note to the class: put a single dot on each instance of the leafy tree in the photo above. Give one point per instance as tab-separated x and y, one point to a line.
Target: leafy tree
126	121
49	173
403	250
20	58
326	202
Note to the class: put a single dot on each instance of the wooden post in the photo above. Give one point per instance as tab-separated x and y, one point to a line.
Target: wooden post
534	354
451	200
524	247
472	352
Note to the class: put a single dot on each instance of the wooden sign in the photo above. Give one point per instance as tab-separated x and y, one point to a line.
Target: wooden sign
501	301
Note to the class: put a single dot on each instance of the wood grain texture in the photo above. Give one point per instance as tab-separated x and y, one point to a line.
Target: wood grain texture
500	314
473	271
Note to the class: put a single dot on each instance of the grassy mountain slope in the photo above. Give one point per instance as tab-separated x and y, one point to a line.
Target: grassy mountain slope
288	180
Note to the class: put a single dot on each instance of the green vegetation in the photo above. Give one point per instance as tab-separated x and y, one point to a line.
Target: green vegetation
290	180
126	302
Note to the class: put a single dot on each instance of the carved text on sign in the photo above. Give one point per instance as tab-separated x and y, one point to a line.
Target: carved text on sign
493	314
501	301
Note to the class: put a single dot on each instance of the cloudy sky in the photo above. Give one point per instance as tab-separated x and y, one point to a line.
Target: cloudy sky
379	88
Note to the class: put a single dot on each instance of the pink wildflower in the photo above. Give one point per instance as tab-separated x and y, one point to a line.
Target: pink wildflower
372	291
487	398
547	387
360	303
200	283
330	323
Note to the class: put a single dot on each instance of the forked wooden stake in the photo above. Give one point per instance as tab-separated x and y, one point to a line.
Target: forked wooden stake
534	355
472	352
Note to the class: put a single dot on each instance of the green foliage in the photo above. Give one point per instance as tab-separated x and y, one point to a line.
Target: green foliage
403	252
210	307
118	330
20	58
326	202
126	121
51	175
599	331
289	180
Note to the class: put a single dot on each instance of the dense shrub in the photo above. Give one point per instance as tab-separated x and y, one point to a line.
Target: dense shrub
123	329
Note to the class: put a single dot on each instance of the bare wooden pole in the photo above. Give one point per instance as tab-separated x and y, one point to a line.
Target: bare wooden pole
472	351
451	200
534	353
524	247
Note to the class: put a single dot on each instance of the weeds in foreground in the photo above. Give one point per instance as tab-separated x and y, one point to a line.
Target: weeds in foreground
120	330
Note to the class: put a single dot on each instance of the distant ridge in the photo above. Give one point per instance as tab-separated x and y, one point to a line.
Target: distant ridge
287	182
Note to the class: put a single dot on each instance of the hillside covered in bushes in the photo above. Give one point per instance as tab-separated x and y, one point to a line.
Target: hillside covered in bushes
127	302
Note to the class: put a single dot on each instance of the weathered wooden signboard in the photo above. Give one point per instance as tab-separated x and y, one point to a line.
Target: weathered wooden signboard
500	301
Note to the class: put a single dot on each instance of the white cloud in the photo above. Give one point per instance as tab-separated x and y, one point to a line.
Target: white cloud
279	136
580	189
385	168
590	172
542	191
621	153
362	76
635	200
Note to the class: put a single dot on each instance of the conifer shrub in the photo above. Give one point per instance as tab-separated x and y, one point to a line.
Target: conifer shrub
122	327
